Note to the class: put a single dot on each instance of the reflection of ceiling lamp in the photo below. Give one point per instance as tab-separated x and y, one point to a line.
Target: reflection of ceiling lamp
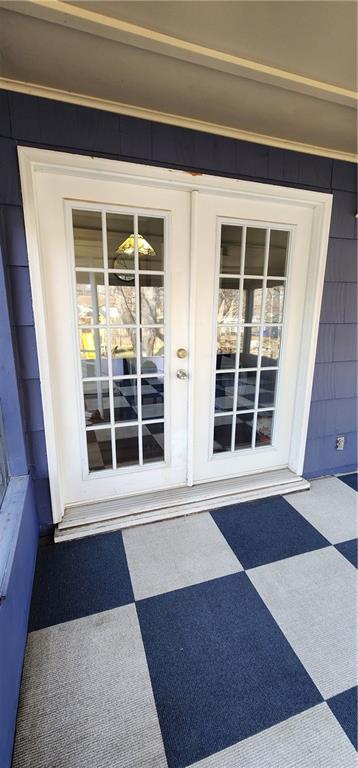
126	251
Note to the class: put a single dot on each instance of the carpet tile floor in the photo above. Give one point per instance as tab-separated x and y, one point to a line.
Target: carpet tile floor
220	640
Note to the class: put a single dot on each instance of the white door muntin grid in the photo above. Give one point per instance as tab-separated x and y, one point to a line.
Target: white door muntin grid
241	276
113	426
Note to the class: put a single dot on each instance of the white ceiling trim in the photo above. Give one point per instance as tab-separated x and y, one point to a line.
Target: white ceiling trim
171	119
132	34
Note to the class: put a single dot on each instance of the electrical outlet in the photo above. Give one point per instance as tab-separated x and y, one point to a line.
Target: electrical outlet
340	443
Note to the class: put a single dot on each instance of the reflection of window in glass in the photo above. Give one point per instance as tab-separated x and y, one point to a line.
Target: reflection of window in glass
151	233
275	294
91	302
87	234
243	431
246	384
116	331
226	347
255	251
230	251
93	349
252	299
222	434
152	350
278	253
120	228
96	402
271	342
153	442
264	427
99	449
123	347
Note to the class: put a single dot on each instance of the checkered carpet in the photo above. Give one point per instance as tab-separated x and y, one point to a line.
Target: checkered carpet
220	640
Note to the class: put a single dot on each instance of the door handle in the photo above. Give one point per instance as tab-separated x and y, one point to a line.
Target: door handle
181	374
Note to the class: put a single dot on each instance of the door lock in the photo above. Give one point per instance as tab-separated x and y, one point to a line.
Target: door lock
181	352
181	374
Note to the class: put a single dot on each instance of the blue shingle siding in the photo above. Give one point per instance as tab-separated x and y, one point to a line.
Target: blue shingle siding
56	125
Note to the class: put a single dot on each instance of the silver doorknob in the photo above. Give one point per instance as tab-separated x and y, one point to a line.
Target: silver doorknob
181	374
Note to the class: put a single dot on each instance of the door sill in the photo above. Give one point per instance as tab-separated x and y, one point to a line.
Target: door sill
91	519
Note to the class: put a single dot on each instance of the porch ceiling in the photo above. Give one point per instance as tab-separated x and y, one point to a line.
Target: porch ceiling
273	72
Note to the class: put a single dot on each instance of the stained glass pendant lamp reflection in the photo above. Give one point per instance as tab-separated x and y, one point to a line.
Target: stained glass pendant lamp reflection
127	249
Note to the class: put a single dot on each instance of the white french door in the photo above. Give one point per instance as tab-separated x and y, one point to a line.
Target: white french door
176	321
116	276
252	267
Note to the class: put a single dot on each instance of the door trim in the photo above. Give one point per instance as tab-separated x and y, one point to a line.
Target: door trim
33	161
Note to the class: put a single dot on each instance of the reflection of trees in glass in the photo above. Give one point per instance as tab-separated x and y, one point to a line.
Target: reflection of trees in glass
274	303
152	304
227	339
153	342
228	305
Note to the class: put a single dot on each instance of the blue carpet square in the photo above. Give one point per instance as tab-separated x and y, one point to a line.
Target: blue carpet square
221	669
350	550
260	532
351	480
344	707
77	578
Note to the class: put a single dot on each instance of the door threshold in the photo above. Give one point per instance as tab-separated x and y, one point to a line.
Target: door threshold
91	519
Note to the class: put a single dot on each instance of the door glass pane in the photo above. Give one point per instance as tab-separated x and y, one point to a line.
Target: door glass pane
151	299
153	442
224	392
152	350
230	251
125	400
252	307
246	388
228	311
278	253
226	347
123	348
264	428
255	251
275	294
249	346
127	451
252	301
151	243
120	318
243	432
96	402
122	299
222	433
91	300
267	388
271	343
152	398
120	241
87	235
93	351
99	449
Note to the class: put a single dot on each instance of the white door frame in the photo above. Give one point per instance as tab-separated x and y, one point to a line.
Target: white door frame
34	161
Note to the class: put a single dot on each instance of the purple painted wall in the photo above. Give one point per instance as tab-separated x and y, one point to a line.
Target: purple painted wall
55	125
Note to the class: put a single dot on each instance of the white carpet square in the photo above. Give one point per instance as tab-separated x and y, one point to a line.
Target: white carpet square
313	599
86	697
177	553
331	506
312	739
